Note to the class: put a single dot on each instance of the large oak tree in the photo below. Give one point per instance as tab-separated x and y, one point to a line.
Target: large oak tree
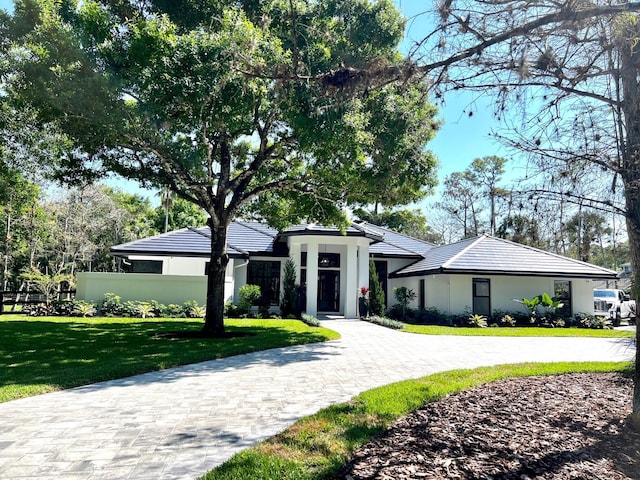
250	107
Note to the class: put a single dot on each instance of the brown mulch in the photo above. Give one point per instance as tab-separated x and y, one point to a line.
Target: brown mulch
560	427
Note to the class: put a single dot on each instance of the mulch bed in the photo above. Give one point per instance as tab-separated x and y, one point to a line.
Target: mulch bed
560	427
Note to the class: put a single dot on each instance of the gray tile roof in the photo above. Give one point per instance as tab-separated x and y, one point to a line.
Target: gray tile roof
396	244
244	238
490	255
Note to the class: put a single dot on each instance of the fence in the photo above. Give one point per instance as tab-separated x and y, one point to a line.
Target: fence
15	298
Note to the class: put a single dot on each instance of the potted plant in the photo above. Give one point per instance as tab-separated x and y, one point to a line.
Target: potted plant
363	302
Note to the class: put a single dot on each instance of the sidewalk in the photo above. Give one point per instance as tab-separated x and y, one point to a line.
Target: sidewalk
180	423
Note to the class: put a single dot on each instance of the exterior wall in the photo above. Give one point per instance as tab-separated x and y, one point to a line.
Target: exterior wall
177	265
452	294
92	286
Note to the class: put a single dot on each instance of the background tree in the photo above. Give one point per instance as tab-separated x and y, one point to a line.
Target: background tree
584	229
461	201
410	222
488	172
238	108
179	214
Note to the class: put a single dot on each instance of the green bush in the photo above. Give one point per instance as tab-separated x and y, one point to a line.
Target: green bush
310	320
249	296
173	311
289	289
376	293
475	320
385	322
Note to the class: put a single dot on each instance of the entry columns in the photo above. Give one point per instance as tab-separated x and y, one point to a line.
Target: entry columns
352	290
312	278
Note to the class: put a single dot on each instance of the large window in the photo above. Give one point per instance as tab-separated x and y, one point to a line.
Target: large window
146	266
266	275
482	296
562	293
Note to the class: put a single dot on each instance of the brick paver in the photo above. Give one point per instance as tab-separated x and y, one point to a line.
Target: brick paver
180	423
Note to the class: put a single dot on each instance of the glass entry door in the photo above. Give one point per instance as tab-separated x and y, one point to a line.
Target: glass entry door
328	290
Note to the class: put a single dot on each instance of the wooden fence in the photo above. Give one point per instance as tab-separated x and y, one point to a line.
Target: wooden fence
12	299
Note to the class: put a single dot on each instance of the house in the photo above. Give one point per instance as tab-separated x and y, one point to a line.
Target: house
480	274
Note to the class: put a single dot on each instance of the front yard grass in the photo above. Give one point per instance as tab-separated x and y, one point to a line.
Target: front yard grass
518	331
316	447
44	354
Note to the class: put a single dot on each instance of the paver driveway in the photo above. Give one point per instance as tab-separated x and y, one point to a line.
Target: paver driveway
179	423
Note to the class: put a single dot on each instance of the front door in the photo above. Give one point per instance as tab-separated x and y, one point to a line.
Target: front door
328	291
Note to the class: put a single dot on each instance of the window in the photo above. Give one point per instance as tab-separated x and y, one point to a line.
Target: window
482	297
146	266
266	275
562	293
422	294
329	260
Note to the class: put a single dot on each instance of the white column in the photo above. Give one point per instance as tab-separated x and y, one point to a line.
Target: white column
294	253
351	282
363	263
312	277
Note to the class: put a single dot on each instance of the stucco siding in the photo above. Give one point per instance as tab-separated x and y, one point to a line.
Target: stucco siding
165	289
453	294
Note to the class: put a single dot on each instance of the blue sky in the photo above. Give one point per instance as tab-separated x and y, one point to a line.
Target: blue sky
460	139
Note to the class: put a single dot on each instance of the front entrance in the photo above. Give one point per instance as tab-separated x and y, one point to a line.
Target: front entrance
328	290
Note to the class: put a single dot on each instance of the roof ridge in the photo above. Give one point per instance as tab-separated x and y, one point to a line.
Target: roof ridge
473	241
157	235
199	232
386	240
246	225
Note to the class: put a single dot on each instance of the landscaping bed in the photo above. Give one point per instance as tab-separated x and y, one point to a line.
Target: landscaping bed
571	426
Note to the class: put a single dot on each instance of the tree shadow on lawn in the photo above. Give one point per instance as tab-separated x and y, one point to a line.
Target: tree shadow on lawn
69	354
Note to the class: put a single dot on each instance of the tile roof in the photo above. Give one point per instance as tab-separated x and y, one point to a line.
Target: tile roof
396	244
246	238
242	238
490	255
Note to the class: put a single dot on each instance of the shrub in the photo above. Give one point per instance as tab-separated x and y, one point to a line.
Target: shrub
376	294
233	311
145	310
590	321
191	309
173	311
475	320
249	296
385	322
83	309
310	320
112	305
508	321
404	296
289	290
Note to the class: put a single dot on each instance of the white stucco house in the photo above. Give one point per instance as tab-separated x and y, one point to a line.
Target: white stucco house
482	274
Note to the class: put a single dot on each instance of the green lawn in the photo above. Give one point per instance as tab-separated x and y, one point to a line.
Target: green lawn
316	447
518	331
44	354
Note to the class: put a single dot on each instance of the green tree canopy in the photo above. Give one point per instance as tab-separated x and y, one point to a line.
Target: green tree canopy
264	108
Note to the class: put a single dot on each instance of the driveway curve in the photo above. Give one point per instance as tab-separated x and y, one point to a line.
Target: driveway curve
181	422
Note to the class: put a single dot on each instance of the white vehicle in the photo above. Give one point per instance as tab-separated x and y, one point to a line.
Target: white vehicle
614	304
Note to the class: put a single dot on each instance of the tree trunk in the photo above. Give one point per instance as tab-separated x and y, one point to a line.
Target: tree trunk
630	173
218	261
633	227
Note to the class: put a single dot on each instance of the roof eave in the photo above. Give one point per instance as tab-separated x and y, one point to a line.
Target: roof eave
419	273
